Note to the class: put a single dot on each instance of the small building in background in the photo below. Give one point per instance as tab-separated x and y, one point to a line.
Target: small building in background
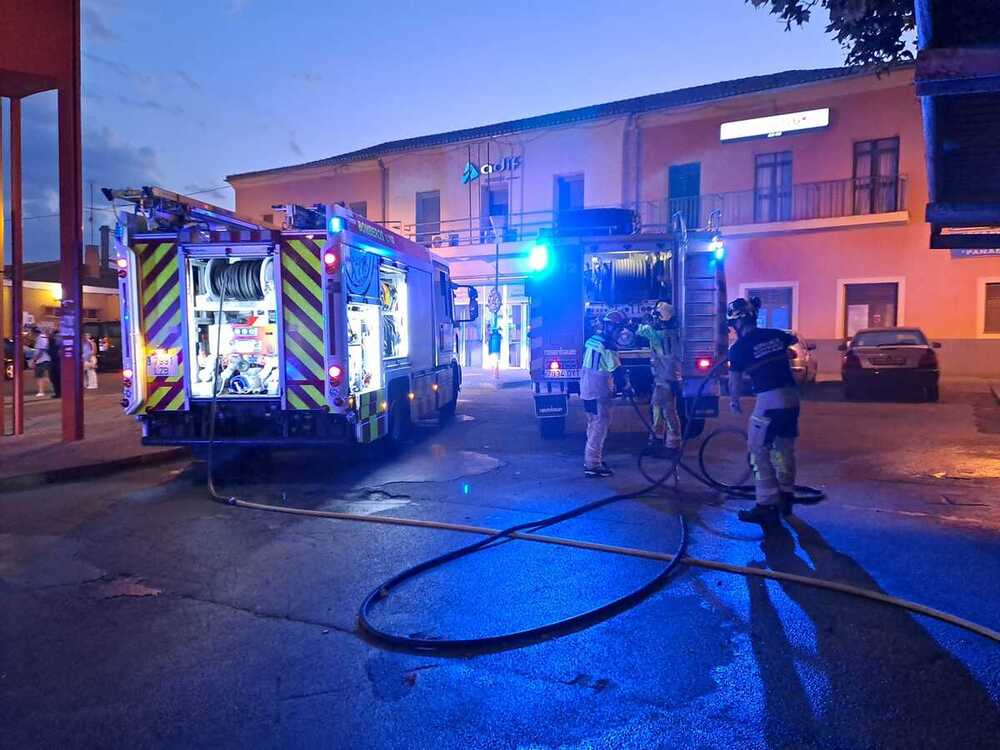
43	292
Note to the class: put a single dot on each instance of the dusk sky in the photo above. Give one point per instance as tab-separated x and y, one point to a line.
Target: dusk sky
181	94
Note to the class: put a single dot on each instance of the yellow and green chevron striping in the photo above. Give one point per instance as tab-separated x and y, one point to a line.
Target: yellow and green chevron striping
302	308
159	293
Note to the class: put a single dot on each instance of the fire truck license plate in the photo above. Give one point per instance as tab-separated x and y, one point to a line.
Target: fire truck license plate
560	374
163	365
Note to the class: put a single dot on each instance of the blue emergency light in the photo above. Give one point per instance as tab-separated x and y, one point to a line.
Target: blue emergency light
717	248
336	225
538	259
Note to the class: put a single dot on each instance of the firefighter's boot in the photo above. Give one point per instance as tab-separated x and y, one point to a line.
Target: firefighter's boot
766	515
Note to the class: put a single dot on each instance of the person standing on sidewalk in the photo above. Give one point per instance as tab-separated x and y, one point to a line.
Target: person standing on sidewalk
600	364
762	353
89	356
42	364
55	357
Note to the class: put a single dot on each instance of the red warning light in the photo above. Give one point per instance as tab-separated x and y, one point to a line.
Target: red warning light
703	363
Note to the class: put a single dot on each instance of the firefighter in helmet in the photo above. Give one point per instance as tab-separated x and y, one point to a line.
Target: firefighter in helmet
762	353
601	367
660	329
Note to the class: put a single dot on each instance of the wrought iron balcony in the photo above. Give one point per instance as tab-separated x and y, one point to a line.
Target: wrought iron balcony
804	201
808	200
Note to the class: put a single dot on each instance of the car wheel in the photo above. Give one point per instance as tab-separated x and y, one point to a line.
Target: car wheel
932	394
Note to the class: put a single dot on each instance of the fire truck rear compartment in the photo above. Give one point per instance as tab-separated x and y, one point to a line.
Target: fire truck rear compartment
245	334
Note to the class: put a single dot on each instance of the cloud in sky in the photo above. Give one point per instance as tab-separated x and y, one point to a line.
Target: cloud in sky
235	7
186	78
308	77
122	69
152	104
94	25
108	161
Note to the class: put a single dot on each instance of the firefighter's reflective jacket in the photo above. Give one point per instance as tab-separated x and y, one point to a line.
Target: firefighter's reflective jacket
665	352
599	362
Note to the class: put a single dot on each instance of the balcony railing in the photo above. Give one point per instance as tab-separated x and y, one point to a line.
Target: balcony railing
807	200
515	227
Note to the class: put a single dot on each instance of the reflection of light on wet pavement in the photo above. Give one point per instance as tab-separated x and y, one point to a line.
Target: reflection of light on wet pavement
437	464
371	507
465	418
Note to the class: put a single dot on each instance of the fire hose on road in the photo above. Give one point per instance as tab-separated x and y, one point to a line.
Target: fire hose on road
527	531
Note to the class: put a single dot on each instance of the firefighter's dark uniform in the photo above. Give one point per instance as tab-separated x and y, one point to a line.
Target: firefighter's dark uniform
762	353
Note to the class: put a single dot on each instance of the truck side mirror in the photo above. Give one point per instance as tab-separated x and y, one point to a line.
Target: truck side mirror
473	304
936	345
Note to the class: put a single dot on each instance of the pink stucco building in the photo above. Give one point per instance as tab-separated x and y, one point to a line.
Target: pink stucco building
821	206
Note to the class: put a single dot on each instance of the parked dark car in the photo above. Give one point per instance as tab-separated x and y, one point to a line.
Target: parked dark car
108	335
896	359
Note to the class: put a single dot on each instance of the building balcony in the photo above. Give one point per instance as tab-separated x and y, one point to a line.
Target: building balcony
801	207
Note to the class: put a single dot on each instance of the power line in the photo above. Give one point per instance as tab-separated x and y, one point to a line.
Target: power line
111	211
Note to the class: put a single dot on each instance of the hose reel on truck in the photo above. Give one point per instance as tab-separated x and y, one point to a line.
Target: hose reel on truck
244	280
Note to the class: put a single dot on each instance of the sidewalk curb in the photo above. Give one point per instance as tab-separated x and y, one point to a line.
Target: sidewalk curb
21	482
995	389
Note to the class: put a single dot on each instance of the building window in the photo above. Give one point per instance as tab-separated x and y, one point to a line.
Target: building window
494	213
772	187
991	315
876	176
683	189
870	306
775	306
428	223
360	208
569	193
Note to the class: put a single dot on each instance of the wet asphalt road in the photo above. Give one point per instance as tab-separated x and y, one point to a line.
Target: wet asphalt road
136	613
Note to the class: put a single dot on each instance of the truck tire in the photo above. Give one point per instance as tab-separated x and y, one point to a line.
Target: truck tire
447	412
552	427
399	424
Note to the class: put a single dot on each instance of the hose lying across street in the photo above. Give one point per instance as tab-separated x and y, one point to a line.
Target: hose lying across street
527	532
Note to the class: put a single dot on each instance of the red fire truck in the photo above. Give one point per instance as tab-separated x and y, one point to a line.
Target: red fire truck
330	329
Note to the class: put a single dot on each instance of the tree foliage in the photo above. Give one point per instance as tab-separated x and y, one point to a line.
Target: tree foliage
873	32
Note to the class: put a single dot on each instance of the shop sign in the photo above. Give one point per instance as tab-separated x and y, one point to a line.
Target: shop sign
473	171
774	125
975	252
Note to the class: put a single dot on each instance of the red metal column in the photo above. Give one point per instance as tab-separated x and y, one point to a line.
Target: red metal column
17	262
3	309
71	242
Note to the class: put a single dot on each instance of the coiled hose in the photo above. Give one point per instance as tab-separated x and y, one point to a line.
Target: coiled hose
525	532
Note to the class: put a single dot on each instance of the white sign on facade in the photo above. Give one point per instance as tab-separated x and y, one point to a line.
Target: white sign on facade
774	125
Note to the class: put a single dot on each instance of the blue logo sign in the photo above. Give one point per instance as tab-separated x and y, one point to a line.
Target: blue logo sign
471	173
